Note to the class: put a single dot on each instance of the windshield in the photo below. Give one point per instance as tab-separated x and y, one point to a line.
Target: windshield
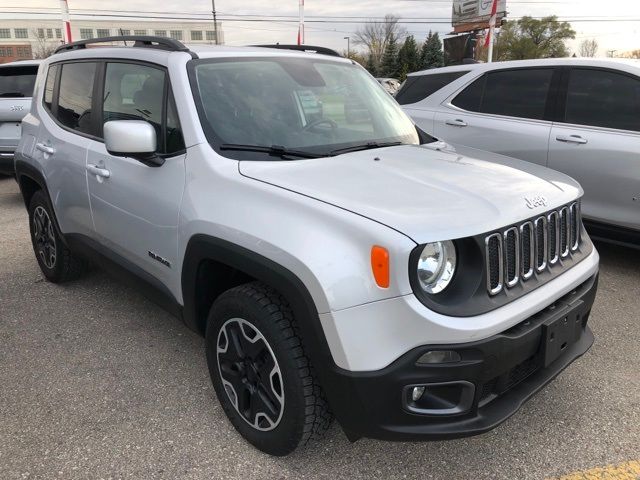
313	105
17	81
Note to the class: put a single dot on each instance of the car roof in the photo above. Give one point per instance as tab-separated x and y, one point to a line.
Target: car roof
476	67
21	63
161	56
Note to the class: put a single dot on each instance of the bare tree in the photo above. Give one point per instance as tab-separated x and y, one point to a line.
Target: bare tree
374	35
42	48
589	48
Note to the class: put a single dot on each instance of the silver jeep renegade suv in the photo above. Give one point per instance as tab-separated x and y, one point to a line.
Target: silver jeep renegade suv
339	261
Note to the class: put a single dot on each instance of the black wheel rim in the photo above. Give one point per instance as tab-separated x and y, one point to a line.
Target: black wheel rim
250	374
44	236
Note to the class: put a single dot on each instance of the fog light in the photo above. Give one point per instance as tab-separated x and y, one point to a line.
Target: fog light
416	393
439	356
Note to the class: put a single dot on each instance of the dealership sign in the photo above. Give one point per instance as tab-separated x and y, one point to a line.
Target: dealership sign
470	15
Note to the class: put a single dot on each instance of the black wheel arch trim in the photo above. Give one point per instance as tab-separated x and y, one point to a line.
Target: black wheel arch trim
26	170
204	247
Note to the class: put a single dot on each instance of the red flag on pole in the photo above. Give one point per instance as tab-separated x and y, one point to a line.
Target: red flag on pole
492	22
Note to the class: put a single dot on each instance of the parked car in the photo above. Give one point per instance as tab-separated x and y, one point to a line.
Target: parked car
578	116
342	265
16	87
391	85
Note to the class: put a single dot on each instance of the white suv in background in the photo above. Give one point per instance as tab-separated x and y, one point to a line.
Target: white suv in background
17	80
339	261
578	116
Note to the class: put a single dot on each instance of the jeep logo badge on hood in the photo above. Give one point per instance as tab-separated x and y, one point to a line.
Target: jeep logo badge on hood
537	201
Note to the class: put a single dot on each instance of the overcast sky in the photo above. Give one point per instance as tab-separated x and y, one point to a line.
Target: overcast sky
619	35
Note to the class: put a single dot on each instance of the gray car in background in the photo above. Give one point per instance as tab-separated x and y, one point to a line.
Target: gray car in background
578	116
17	80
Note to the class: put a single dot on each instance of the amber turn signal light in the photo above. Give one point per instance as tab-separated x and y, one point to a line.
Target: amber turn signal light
380	265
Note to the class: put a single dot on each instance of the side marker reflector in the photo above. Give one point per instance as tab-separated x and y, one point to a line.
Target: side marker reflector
380	265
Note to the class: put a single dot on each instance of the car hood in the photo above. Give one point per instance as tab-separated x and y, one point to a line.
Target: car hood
429	192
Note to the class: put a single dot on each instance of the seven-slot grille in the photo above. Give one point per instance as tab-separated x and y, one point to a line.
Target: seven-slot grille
519	251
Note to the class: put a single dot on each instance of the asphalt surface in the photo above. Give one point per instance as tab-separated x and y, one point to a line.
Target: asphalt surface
97	382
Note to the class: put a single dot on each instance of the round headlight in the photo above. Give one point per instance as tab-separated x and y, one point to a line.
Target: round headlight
436	266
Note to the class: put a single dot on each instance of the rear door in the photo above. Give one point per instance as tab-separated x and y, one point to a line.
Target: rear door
503	111
67	123
135	209
598	143
16	90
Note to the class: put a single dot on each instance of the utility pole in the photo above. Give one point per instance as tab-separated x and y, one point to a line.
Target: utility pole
215	21
301	25
348	39
66	25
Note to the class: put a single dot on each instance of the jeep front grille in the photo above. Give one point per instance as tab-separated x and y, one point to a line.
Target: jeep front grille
514	255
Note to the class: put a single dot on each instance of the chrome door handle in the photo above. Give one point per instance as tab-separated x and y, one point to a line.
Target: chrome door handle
577	139
45	148
456	123
98	171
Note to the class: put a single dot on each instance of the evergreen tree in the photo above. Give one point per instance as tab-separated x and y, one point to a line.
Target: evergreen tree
432	55
408	57
371	66
389	65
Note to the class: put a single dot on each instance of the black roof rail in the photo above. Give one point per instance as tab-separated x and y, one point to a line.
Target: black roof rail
140	41
304	48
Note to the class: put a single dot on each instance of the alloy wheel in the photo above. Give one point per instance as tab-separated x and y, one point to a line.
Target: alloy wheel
250	374
44	236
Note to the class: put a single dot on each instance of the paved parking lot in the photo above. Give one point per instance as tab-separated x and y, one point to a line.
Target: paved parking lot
97	382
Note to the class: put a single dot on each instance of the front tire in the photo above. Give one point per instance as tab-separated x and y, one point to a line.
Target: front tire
260	373
56	261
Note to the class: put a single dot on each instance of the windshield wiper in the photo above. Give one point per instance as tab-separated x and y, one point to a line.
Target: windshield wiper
364	146
275	150
12	94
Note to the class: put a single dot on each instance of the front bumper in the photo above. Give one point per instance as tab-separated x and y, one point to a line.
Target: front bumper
498	375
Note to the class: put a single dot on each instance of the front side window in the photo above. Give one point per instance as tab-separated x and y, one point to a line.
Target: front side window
137	92
315	105
76	93
17	82
602	98
514	93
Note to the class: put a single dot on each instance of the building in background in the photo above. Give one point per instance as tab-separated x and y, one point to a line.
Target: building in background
22	39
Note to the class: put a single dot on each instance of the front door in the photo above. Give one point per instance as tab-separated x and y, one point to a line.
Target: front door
135	206
503	111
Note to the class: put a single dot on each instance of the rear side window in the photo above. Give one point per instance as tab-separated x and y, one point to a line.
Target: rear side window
514	93
76	93
419	87
49	86
17	82
603	98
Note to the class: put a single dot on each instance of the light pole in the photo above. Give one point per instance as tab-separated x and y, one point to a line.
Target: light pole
348	39
215	21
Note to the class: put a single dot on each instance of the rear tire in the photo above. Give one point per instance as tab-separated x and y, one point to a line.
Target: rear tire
261	375
56	261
